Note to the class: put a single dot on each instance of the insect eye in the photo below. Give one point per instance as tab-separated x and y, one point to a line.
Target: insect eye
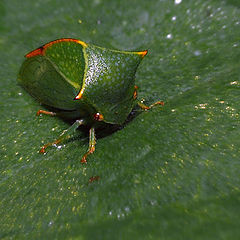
98	117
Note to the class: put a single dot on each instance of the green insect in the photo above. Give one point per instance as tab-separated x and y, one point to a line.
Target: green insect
92	85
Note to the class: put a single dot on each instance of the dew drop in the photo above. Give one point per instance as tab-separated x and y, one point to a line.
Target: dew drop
127	209
50	223
177	2
197	53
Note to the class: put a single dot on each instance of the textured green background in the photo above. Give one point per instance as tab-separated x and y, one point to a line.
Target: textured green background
171	173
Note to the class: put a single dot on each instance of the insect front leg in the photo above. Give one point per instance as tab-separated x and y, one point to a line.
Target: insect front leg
92	143
39	112
64	136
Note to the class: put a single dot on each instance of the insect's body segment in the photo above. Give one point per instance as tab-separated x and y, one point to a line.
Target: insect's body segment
82	81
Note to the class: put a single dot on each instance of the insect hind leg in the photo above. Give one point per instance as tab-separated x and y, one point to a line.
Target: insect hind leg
145	107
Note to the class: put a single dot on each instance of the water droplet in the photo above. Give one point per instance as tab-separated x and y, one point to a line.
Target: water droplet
50	223
197	53
153	202
178	1
124	23
127	209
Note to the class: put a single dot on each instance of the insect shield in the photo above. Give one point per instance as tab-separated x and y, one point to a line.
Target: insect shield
82	82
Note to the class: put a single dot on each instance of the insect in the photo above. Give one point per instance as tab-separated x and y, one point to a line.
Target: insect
91	85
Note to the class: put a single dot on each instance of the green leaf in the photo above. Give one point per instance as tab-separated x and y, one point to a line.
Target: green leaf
170	173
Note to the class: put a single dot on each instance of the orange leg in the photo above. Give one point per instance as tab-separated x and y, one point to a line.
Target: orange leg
141	104
92	179
135	92
65	135
145	107
92	143
39	112
43	149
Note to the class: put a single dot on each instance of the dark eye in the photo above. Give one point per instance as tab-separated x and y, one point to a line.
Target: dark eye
98	117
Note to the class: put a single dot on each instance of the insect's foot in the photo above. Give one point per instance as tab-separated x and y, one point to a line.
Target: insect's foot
84	159
40	112
158	103
42	150
145	107
94	178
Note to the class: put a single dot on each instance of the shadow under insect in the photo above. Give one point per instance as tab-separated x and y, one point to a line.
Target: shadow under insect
102	129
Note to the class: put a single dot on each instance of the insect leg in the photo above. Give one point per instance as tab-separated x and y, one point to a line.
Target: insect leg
65	135
135	92
141	104
92	143
145	107
39	112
